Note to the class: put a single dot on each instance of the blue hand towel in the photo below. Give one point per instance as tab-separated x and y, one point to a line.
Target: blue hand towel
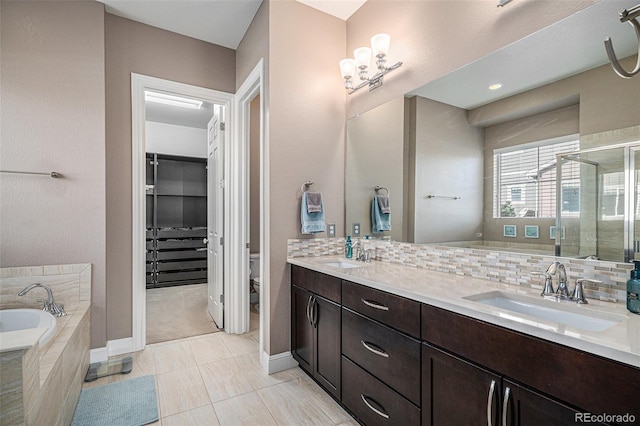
312	223
379	221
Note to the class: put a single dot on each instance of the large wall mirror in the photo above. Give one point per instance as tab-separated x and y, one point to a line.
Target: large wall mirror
467	163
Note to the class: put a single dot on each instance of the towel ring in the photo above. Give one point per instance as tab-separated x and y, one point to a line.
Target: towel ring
379	188
307	184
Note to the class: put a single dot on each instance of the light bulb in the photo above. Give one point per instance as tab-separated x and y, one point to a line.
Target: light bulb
362	56
380	44
347	68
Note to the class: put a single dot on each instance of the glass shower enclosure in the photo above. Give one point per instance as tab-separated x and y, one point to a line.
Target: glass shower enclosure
598	203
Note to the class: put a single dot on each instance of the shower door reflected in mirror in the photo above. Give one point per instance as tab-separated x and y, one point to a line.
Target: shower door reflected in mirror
635	178
597	210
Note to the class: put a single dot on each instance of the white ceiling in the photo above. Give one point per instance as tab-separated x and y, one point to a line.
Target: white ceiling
342	9
568	47
221	22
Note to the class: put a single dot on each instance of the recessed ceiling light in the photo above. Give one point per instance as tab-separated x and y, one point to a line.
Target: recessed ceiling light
164	98
495	86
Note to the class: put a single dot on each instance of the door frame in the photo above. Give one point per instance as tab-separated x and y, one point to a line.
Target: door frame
253	85
233	212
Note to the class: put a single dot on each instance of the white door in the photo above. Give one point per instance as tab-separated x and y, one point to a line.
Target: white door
215	216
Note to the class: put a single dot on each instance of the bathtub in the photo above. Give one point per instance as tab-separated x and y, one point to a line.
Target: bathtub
15	323
41	380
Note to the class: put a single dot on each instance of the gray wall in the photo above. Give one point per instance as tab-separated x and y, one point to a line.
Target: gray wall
448	162
132	47
254	175
375	157
306	137
52	107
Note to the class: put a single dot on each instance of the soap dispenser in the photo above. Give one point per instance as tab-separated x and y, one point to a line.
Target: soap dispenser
633	289
348	248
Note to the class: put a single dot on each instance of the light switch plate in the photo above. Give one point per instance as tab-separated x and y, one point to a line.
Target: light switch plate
332	230
356	229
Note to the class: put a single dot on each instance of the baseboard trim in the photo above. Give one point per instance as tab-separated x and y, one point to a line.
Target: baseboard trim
98	355
278	362
114	347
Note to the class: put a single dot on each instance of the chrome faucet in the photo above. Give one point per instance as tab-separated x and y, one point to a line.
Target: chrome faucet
362	254
563	291
49	305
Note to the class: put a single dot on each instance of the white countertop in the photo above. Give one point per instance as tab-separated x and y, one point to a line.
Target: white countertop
620	342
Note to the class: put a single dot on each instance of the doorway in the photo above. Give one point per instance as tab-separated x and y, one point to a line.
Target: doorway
180	218
177	210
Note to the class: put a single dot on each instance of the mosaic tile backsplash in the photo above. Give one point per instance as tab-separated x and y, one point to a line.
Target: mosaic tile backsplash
500	266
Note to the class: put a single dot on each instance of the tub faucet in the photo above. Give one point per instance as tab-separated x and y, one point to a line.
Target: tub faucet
49	305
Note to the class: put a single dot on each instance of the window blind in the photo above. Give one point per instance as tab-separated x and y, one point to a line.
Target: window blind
524	180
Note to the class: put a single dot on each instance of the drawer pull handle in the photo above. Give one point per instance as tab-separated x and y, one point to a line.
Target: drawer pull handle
373	348
492	391
375	305
505	406
372	408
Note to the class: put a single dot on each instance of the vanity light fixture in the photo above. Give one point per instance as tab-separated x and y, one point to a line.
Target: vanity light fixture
362	57
173	100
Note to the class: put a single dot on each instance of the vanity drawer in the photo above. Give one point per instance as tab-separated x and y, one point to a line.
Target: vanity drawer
395	311
316	282
373	402
388	354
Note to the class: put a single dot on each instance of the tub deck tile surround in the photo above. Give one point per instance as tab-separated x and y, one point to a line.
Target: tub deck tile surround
50	376
502	267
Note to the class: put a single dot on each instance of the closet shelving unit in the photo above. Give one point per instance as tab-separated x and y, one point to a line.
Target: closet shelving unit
176	197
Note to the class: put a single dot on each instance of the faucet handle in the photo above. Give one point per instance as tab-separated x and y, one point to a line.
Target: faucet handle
578	291
548	284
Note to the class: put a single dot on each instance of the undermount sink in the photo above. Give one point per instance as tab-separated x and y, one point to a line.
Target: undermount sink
558	312
343	264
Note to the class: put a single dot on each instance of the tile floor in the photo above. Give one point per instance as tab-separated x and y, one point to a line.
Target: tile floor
188	307
216	379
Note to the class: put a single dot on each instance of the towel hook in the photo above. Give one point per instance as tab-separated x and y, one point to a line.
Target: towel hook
630	17
380	188
307	184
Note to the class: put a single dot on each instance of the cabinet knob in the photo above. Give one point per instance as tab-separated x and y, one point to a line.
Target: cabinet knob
205	241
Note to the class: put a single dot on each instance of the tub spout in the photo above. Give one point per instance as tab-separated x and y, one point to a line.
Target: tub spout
49	305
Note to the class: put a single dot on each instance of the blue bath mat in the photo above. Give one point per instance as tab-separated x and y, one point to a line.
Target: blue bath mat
128	403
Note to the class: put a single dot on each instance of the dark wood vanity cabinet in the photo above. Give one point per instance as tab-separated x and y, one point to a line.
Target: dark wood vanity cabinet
392	360
455	391
540	382
316	327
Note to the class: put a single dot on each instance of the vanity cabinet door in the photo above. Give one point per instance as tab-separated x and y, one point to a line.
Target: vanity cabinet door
326	317
315	337
524	407
301	328
455	392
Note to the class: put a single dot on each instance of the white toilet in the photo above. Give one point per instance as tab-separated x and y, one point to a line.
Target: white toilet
254	278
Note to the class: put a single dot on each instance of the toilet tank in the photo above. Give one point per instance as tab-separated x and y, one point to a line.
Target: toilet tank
254	265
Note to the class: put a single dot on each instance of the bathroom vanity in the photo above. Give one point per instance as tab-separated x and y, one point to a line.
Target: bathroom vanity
402	345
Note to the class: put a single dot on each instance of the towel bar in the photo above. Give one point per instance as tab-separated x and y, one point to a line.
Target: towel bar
442	196
380	188
307	184
51	174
